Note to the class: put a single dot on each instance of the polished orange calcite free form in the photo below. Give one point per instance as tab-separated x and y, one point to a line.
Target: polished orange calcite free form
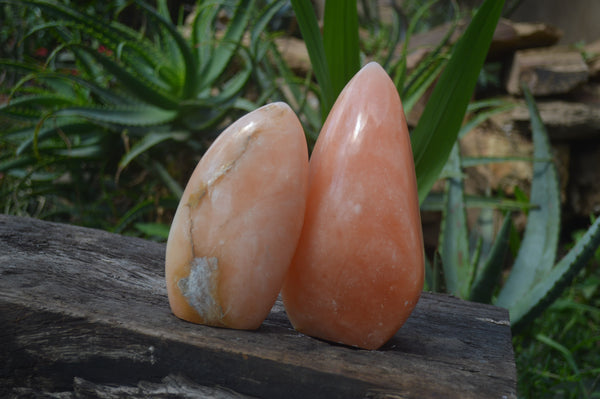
358	270
238	222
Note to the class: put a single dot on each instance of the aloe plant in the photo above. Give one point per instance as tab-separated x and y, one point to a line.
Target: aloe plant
111	95
535	280
533	286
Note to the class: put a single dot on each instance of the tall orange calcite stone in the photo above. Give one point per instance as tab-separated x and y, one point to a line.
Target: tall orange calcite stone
358	270
238	222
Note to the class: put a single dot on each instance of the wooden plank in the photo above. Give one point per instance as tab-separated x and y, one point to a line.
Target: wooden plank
81	307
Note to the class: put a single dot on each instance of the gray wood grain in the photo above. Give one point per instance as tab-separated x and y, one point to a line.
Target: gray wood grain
83	308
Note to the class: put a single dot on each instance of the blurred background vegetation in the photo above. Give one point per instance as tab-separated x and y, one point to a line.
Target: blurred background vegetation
106	107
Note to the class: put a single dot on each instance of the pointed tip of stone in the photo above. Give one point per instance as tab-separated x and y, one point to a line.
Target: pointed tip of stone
374	69
373	66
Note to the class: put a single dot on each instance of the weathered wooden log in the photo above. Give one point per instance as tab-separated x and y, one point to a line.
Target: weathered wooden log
549	71
85	312
508	37
592	51
576	119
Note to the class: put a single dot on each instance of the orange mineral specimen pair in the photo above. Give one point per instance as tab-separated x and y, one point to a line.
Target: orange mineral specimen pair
340	238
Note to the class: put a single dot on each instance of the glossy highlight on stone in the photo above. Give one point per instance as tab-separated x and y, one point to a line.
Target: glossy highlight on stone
238	222
358	270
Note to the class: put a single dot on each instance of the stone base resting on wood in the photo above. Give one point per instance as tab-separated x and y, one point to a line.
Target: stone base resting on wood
84	313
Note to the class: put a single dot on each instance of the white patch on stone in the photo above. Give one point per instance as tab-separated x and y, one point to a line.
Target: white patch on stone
199	288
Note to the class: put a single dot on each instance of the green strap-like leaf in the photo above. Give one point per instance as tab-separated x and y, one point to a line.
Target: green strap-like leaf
438	128
340	41
309	27
438	55
569	358
421	83
538	249
400	68
169	181
293	91
153	230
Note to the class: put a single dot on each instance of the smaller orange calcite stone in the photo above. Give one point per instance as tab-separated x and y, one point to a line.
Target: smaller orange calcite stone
359	267
238	222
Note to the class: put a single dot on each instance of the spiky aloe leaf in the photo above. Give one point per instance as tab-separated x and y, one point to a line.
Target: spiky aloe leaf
34	135
104	95
111	35
148	141
435	202
202	32
475	161
137	85
37	102
434	274
126	116
167	41
50	78
490	270
549	288
116	32
189	61
485	115
454	244
233	86
227	46
438	127
258	50
140	60
17	163
537	253
91	151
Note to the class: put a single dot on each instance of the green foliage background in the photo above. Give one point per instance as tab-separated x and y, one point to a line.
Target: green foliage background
101	123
